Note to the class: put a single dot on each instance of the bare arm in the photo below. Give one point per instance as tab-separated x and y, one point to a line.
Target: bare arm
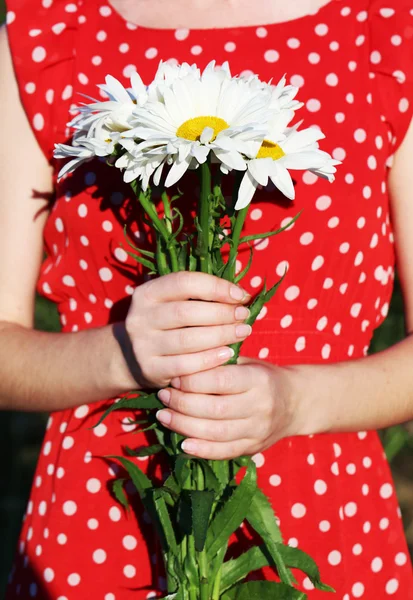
38	371
164	334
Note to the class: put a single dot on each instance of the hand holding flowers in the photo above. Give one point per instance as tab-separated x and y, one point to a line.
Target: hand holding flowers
235	410
170	335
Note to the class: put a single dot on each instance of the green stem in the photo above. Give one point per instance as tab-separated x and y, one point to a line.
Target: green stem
216	590
217	586
167	211
158	224
161	261
202	556
229	274
204	216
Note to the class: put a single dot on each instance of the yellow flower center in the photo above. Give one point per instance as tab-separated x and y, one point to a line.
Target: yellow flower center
192	129
270	150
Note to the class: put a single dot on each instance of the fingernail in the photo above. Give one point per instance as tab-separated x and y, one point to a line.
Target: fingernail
241	313
243	330
236	292
164	416
164	396
176	382
188	446
225	353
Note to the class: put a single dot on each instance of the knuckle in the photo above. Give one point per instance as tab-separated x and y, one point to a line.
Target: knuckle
182	280
147	291
225	380
221	431
181	312
180	403
188	383
185	339
207	360
218	287
221	408
177	366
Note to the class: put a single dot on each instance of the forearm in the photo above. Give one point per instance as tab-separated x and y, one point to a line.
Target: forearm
52	371
363	394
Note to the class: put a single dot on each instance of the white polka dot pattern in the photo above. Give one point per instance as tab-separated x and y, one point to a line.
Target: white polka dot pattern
331	492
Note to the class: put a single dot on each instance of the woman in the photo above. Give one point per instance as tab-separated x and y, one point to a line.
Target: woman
306	400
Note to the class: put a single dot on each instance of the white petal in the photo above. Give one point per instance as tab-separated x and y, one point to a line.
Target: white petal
200	153
301	139
138	87
282	180
177	170
232	160
259	169
184	150
158	174
303	160
246	191
206	135
116	90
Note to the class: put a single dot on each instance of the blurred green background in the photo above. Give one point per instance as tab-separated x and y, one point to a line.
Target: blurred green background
21	435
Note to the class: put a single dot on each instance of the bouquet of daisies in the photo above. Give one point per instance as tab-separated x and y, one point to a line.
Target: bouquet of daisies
220	126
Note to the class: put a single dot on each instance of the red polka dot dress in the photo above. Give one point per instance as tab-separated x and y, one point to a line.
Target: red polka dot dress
333	493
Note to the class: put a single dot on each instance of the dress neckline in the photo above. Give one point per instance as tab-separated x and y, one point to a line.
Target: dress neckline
113	12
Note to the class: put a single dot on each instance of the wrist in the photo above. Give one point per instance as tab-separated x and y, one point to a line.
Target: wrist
307	392
124	369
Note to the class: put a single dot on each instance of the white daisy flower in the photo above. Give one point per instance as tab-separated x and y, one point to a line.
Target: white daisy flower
213	113
85	148
114	114
98	125
280	152
282	95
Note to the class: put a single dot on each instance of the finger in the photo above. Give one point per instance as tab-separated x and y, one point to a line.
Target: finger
180	365
206	429
197	339
217	450
198	286
227	379
196	313
204	406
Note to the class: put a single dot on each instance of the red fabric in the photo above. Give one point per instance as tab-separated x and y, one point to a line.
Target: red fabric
333	493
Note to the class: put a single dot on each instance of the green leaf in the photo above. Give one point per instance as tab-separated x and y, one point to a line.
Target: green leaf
221	471
119	492
182	469
143	429
173	237
295	558
201	502
143	261
258	557
172	484
169	540
262	519
141	482
184	514
168	495
211	480
262	236
233	512
144	451
235	569
142	402
140	250
263	590
245	270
